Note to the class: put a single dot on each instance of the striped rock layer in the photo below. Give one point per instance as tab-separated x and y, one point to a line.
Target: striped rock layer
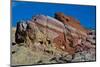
62	32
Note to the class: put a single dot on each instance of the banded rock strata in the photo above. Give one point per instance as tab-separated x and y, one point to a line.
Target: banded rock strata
62	35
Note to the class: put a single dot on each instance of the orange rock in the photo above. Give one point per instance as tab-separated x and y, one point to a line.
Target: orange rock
62	44
69	21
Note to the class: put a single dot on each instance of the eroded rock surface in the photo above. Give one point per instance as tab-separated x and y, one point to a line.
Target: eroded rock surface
52	40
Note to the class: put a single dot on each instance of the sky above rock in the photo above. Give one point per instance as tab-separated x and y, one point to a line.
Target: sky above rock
25	10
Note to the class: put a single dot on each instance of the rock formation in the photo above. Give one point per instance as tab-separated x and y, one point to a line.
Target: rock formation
67	20
63	34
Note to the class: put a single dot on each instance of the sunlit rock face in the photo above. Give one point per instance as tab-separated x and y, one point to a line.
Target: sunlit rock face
61	33
66	32
71	22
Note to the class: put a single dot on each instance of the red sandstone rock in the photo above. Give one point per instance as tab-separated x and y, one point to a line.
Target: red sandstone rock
70	21
65	32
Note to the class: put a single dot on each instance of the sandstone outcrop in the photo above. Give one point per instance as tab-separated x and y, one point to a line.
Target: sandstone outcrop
62	37
67	20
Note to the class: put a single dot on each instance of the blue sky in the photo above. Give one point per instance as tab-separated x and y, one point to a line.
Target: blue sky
25	10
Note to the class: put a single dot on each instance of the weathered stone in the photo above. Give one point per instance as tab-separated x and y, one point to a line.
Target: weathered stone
59	40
